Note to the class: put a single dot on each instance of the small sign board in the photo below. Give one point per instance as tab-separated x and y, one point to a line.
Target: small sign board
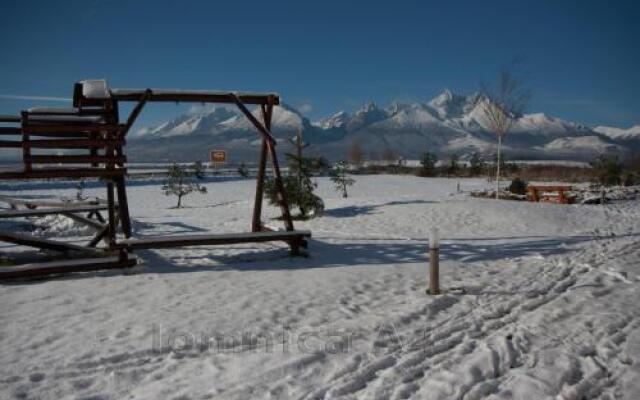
218	157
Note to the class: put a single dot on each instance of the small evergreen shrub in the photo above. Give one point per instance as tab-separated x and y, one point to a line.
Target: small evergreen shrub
518	186
607	170
243	171
428	164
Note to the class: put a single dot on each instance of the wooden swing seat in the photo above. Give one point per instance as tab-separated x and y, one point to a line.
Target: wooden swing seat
158	242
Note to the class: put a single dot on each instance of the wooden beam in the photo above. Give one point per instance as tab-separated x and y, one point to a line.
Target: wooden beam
73	143
66	266
10	118
14	144
26	144
49	211
261	128
102	234
157	242
32	203
65	135
75	159
256	222
41	243
194	96
136	112
123	206
63	173
4	130
85	127
111	217
84	220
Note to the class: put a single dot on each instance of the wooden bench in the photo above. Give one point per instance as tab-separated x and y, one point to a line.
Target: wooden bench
537	193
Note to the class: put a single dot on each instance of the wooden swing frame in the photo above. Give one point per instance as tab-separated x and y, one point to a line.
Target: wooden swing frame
266	102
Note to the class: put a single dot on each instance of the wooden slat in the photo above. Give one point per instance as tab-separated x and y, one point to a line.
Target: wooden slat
157	242
48	211
66	266
86	127
74	143
543	188
64	135
10	118
11	144
84	220
10	131
75	159
33	203
74	111
64	173
40	243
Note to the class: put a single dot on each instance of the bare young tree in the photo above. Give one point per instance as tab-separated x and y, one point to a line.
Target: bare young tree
502	104
356	154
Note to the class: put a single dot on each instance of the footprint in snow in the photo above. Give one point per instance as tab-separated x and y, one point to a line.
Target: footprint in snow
37	377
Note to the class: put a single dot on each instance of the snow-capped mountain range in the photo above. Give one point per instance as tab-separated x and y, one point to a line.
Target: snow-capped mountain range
448	123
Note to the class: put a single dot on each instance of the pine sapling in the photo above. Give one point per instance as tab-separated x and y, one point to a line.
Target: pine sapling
340	178
298	186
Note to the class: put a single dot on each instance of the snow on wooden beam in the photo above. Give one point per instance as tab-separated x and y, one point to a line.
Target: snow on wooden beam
197	96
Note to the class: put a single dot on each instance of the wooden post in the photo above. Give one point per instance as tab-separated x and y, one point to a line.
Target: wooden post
434	271
534	194
26	143
111	223
256	223
561	197
434	263
123	206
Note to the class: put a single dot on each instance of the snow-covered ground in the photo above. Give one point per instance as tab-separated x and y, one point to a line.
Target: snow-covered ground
550	309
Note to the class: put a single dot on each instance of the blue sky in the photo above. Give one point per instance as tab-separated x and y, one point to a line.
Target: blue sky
581	58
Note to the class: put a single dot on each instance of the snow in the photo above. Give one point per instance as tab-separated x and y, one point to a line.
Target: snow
588	144
95	89
619	133
337	120
549	309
